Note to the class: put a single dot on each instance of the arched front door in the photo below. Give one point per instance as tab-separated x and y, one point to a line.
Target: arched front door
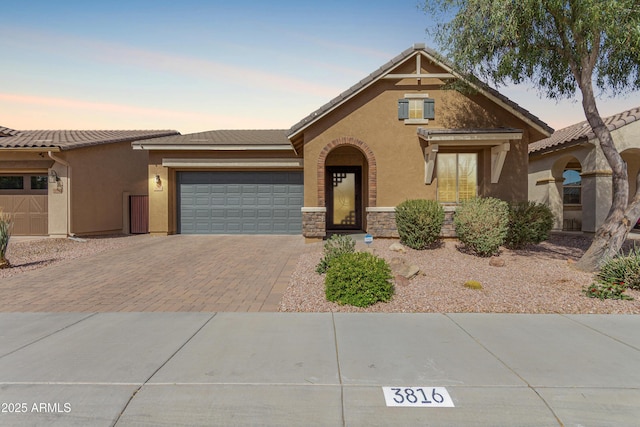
344	198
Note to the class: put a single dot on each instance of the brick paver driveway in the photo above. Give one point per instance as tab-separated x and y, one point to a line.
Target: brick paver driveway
174	273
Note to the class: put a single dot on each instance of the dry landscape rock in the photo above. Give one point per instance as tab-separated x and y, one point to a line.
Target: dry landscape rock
539	279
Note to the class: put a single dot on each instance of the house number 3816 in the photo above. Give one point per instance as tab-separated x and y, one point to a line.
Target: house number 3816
417	396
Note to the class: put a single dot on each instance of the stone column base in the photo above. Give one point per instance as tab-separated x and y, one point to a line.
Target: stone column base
314	222
381	222
448	229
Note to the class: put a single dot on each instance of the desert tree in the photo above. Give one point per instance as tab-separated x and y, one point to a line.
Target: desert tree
562	47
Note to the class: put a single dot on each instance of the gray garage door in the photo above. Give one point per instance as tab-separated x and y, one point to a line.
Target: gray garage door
240	202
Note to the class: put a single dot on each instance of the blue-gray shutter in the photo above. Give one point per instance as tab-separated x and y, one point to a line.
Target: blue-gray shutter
429	109
403	109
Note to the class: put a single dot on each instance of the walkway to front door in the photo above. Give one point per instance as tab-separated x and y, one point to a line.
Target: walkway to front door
174	273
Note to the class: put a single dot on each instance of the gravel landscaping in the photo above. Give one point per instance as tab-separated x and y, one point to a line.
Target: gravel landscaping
539	279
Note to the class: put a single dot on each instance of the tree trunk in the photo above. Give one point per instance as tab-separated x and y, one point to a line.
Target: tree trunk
613	232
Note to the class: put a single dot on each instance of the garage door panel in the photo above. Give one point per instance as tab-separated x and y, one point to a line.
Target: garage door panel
246	213
29	213
241	202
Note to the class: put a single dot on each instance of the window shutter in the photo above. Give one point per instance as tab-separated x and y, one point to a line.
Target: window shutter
429	108
403	109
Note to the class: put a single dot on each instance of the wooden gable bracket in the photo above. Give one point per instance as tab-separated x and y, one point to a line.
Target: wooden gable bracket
430	153
419	74
498	154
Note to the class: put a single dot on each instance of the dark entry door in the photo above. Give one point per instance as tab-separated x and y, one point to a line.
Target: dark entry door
344	198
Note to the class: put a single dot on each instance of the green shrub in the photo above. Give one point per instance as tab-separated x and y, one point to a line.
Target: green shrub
607	291
335	246
473	284
481	224
419	222
623	269
529	223
359	279
5	234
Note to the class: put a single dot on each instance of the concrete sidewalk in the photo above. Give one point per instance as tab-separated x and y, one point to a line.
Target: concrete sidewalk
150	369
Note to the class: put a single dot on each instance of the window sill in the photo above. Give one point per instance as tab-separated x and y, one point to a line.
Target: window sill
416	121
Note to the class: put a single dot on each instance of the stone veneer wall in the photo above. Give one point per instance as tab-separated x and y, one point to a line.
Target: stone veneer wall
379	224
383	224
314	224
448	229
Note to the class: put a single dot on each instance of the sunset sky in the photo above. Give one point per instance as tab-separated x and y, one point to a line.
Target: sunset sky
197	65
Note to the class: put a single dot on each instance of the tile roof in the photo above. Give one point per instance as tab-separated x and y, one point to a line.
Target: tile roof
386	68
241	137
70	139
581	132
7	132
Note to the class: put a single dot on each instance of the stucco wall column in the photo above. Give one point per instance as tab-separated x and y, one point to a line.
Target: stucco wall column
159	200
596	199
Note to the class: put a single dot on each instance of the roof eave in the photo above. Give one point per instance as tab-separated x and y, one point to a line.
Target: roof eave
401	59
212	147
55	149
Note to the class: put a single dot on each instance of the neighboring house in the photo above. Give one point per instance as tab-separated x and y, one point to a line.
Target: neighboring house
396	135
568	171
62	183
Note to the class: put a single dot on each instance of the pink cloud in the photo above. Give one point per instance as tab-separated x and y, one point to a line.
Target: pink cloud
119	54
75	104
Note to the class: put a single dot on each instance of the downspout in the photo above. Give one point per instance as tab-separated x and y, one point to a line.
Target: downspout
65	163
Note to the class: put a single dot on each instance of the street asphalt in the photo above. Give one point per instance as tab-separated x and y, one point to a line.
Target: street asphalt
325	369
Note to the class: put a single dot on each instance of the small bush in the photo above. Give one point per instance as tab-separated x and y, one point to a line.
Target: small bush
335	246
359	279
473	284
419	222
529	223
482	224
623	269
607	291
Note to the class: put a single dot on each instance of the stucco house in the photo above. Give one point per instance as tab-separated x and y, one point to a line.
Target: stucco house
568	171
75	182
397	134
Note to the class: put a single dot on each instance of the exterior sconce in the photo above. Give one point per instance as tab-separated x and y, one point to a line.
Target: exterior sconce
158	182
53	177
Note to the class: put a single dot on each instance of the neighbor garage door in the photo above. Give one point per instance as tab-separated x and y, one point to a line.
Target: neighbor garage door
24	198
240	202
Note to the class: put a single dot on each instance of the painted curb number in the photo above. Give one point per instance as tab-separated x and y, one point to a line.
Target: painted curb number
417	396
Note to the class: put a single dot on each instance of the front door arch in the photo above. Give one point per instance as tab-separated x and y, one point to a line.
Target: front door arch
371	175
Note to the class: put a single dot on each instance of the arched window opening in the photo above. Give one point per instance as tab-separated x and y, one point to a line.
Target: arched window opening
572	197
572	185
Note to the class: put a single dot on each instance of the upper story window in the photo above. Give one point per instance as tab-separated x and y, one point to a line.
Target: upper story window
572	187
416	108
